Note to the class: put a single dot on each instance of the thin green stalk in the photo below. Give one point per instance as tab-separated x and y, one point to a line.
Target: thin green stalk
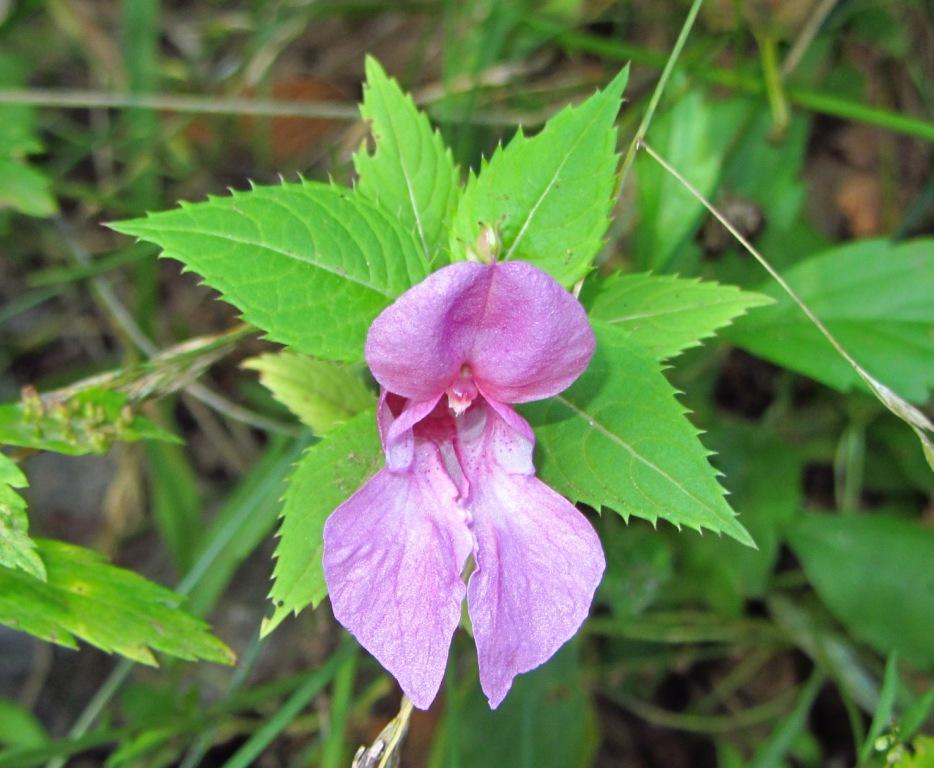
27	301
140	46
61	276
774	90
657	94
750	631
848	465
736	678
257	743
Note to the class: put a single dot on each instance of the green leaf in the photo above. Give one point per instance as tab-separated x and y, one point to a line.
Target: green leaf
768	172
328	473
89	421
26	190
549	197
874	296
22	188
874	573
18	134
639	567
308	263
111	608
151	743
411	174
17	550
666	314
320	393
920	756
762	475
619	438
916	714
19	727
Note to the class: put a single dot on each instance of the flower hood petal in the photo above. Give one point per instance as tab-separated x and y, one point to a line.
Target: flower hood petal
393	557
520	335
538	559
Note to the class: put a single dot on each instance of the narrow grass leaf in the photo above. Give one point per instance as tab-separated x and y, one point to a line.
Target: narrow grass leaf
771	753
293	706
883	716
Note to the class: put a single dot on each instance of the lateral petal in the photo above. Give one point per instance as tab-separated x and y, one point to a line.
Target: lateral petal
393	557
539	561
534	338
417	345
519	333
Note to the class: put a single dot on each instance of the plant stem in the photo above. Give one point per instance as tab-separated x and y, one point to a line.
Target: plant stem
657	94
774	90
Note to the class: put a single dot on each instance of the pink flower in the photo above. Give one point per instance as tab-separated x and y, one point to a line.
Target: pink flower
451	354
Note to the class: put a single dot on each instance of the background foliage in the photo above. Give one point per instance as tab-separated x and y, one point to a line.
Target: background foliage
807	123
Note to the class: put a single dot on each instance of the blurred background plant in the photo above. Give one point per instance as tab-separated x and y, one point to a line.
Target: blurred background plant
808	123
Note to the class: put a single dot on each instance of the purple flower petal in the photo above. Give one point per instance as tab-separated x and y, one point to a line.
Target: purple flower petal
393	557
538	559
509	326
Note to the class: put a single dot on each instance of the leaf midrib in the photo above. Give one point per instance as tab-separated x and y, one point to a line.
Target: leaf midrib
609	434
549	185
684	308
266	246
408	181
